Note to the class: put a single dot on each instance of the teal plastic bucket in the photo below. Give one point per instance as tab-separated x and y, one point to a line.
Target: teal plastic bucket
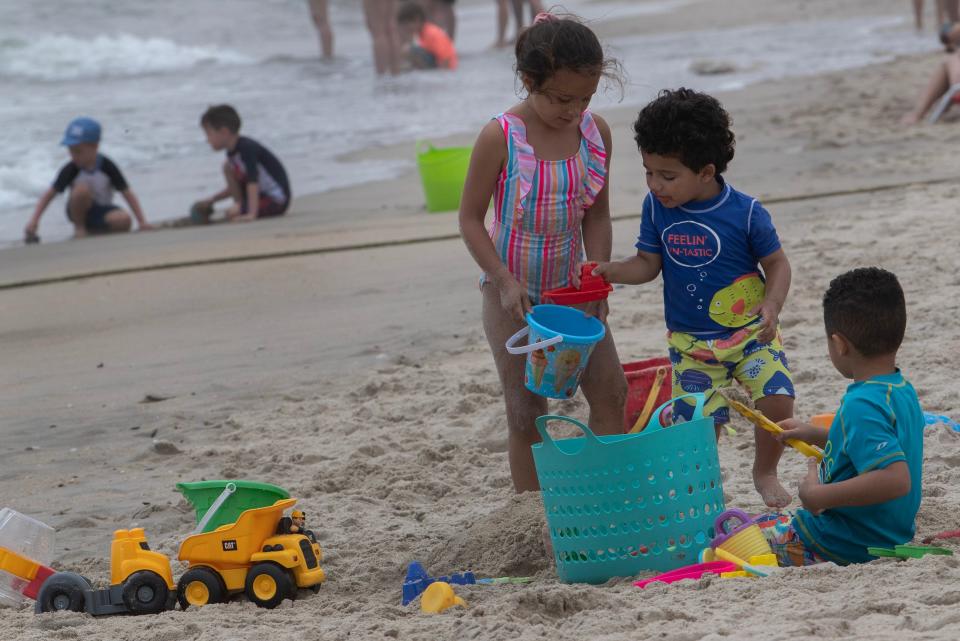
443	172
560	342
628	503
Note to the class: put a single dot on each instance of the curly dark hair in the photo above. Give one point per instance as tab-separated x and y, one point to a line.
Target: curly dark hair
555	42
689	125
866	305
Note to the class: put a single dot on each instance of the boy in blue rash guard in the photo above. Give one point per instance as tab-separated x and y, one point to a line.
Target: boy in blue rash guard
866	492
711	243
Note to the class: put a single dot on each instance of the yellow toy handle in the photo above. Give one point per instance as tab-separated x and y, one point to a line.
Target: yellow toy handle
651	399
720	553
763	422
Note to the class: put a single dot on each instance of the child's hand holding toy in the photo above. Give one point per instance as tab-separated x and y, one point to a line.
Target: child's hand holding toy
592	290
513	296
794	429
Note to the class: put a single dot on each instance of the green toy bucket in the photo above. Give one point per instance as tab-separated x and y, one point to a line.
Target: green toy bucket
222	502
442	172
622	504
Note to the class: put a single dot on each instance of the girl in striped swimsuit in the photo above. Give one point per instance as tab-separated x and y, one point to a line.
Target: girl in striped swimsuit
544	162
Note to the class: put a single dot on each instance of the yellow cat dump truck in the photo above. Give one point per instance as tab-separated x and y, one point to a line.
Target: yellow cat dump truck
246	547
141	582
249	556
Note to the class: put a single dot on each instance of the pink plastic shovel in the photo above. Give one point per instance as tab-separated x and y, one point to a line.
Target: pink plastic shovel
690	572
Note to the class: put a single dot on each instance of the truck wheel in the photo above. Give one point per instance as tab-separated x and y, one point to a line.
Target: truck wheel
268	585
145	592
63	591
199	587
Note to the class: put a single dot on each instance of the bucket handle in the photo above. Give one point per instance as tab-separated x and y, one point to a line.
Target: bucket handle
532	347
228	489
422	147
720	523
655	423
542	421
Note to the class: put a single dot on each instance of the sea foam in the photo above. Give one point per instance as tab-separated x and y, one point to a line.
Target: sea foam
61	57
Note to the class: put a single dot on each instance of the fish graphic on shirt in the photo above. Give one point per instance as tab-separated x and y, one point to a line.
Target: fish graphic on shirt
731	305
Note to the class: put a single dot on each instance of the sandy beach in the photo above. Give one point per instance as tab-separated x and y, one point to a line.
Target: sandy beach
338	353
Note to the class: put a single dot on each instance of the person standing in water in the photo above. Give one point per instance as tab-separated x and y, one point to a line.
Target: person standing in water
503	17
441	13
381	16
321	20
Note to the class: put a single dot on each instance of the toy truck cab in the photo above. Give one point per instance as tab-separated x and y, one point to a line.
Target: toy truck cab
249	556
141	582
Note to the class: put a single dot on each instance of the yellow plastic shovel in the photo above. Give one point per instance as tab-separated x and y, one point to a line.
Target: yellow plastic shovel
763	422
651	401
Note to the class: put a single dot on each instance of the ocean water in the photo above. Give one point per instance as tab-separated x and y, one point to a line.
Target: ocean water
147	70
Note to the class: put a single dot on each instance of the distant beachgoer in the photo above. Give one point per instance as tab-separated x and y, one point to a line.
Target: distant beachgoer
945	76
318	11
92	179
503	17
426	44
948	16
256	180
544	162
443	15
381	16
948	12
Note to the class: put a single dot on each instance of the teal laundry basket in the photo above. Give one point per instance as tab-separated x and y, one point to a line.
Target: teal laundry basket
622	504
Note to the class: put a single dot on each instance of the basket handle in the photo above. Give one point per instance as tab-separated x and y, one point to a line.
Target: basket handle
720	523
542	421
532	347
655	423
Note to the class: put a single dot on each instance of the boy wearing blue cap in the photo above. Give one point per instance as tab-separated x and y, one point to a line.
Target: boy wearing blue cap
92	179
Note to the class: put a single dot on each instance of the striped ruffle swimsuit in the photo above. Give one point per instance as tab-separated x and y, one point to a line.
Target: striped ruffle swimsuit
539	206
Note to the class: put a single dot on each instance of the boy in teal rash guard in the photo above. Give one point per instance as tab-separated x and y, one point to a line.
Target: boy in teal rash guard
866	492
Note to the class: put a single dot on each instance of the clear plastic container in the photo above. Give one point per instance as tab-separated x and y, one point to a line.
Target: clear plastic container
27	537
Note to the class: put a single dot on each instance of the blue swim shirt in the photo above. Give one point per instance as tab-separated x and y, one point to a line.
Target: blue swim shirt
879	423
710	251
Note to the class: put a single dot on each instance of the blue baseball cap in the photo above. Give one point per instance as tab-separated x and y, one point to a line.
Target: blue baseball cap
80	130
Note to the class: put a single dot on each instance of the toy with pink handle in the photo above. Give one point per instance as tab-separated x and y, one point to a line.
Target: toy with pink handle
695	571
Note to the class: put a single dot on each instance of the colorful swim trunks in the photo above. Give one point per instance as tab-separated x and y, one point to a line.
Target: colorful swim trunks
785	542
706	365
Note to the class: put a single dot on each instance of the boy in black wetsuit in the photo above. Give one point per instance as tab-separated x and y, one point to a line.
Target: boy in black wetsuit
256	181
92	179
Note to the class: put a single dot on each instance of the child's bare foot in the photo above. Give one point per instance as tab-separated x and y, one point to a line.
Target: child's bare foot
909	119
772	493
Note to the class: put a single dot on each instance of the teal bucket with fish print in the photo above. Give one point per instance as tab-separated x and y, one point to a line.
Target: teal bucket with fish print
560	342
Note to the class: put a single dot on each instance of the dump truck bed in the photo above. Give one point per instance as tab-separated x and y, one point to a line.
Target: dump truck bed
234	544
